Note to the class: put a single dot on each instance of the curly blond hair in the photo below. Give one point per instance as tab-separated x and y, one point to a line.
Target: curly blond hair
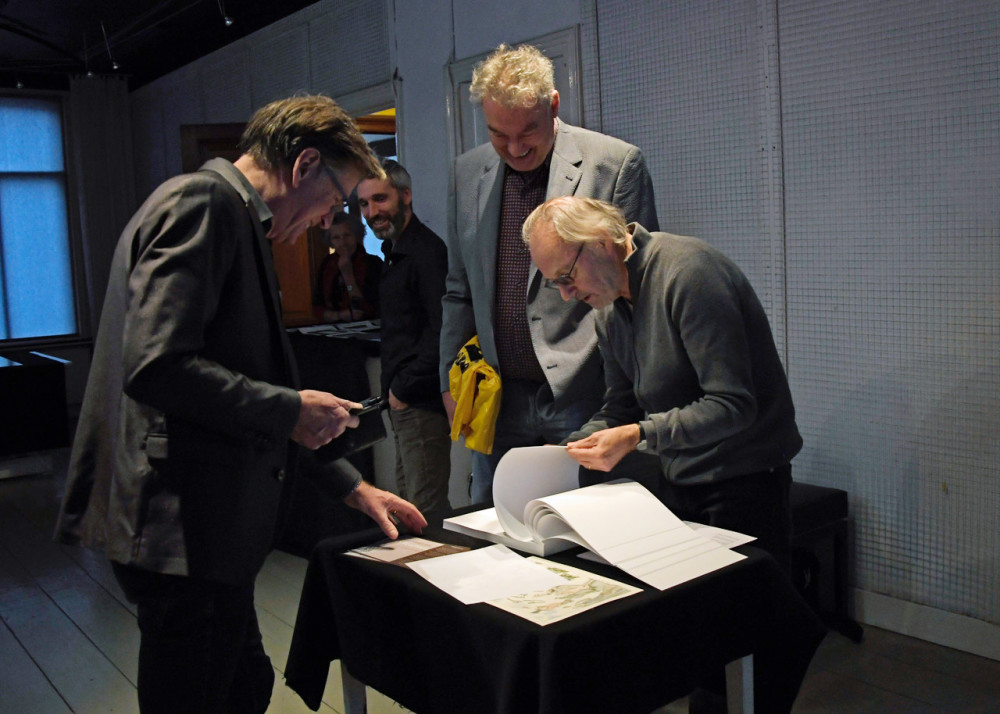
514	78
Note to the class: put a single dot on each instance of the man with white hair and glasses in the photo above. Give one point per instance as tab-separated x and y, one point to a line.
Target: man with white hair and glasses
697	406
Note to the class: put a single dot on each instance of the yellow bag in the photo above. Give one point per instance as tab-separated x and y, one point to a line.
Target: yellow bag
475	387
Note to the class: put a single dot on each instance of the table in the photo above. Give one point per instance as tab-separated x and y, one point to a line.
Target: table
397	633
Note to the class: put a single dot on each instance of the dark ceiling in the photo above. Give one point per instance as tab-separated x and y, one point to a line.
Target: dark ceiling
43	42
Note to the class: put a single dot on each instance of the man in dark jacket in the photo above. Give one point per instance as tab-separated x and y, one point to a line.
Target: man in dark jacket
416	263
185	442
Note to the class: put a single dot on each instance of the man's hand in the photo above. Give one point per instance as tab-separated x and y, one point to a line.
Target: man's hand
602	450
449	406
386	509
395	402
322	418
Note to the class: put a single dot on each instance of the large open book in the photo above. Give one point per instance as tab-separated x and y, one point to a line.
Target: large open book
540	510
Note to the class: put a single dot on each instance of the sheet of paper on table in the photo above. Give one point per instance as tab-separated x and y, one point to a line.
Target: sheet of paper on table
405	550
578	592
485	574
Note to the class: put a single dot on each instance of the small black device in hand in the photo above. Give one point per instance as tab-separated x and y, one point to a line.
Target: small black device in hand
368	405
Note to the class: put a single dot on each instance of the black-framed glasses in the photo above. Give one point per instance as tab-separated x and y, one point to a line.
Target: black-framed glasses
566	279
336	184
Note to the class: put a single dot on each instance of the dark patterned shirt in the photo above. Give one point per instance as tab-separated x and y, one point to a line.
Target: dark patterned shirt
522	193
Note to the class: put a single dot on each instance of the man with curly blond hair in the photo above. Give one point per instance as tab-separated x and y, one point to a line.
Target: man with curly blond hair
544	350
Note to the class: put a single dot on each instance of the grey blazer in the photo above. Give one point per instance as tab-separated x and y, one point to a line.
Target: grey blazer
584	163
182	449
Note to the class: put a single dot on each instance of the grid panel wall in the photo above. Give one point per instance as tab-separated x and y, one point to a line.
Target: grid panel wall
225	86
349	47
684	82
279	65
590	66
891	134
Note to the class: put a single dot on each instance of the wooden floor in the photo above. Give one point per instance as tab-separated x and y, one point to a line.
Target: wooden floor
69	643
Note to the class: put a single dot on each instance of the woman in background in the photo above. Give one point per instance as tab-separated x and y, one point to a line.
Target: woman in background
347	285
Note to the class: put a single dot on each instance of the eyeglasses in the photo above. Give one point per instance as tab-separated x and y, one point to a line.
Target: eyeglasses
336	184
566	279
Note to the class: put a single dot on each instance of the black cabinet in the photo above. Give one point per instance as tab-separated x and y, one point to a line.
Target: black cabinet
33	398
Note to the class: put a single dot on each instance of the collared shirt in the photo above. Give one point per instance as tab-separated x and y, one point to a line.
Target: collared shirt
522	193
243	186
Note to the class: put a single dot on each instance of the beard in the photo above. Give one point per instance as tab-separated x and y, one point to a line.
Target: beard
397	219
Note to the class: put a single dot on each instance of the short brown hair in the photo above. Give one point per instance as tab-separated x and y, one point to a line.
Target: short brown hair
514	78
278	132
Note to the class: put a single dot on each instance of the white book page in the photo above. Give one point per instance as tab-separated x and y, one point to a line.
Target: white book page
525	474
627	526
610	515
485	521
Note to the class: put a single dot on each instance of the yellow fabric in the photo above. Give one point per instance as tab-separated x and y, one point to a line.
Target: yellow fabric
475	387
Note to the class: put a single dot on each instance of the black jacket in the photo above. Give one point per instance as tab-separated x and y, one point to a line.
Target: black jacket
182	448
410	291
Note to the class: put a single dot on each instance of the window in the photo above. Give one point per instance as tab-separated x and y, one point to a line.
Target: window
36	279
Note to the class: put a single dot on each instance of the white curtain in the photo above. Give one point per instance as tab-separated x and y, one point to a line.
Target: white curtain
100	140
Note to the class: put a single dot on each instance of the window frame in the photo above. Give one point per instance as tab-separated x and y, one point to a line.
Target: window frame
77	268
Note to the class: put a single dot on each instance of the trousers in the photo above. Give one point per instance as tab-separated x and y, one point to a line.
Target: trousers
423	458
200	648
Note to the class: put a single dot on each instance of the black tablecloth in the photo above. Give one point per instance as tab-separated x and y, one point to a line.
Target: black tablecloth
412	642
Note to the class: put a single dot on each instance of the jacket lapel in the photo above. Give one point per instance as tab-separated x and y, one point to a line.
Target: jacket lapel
564	170
564	177
269	278
265	261
490	193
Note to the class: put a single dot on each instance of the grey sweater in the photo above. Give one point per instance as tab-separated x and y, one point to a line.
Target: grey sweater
693	360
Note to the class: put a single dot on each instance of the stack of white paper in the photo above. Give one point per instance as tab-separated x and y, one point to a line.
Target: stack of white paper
539	509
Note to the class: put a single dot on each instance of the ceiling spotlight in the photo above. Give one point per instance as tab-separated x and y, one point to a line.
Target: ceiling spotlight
115	65
228	21
90	73
107	46
20	84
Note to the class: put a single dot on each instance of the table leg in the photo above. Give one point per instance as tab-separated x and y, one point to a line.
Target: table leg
739	685
355	699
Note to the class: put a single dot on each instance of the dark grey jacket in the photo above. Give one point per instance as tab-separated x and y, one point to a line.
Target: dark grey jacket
182	449
693	359
584	163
